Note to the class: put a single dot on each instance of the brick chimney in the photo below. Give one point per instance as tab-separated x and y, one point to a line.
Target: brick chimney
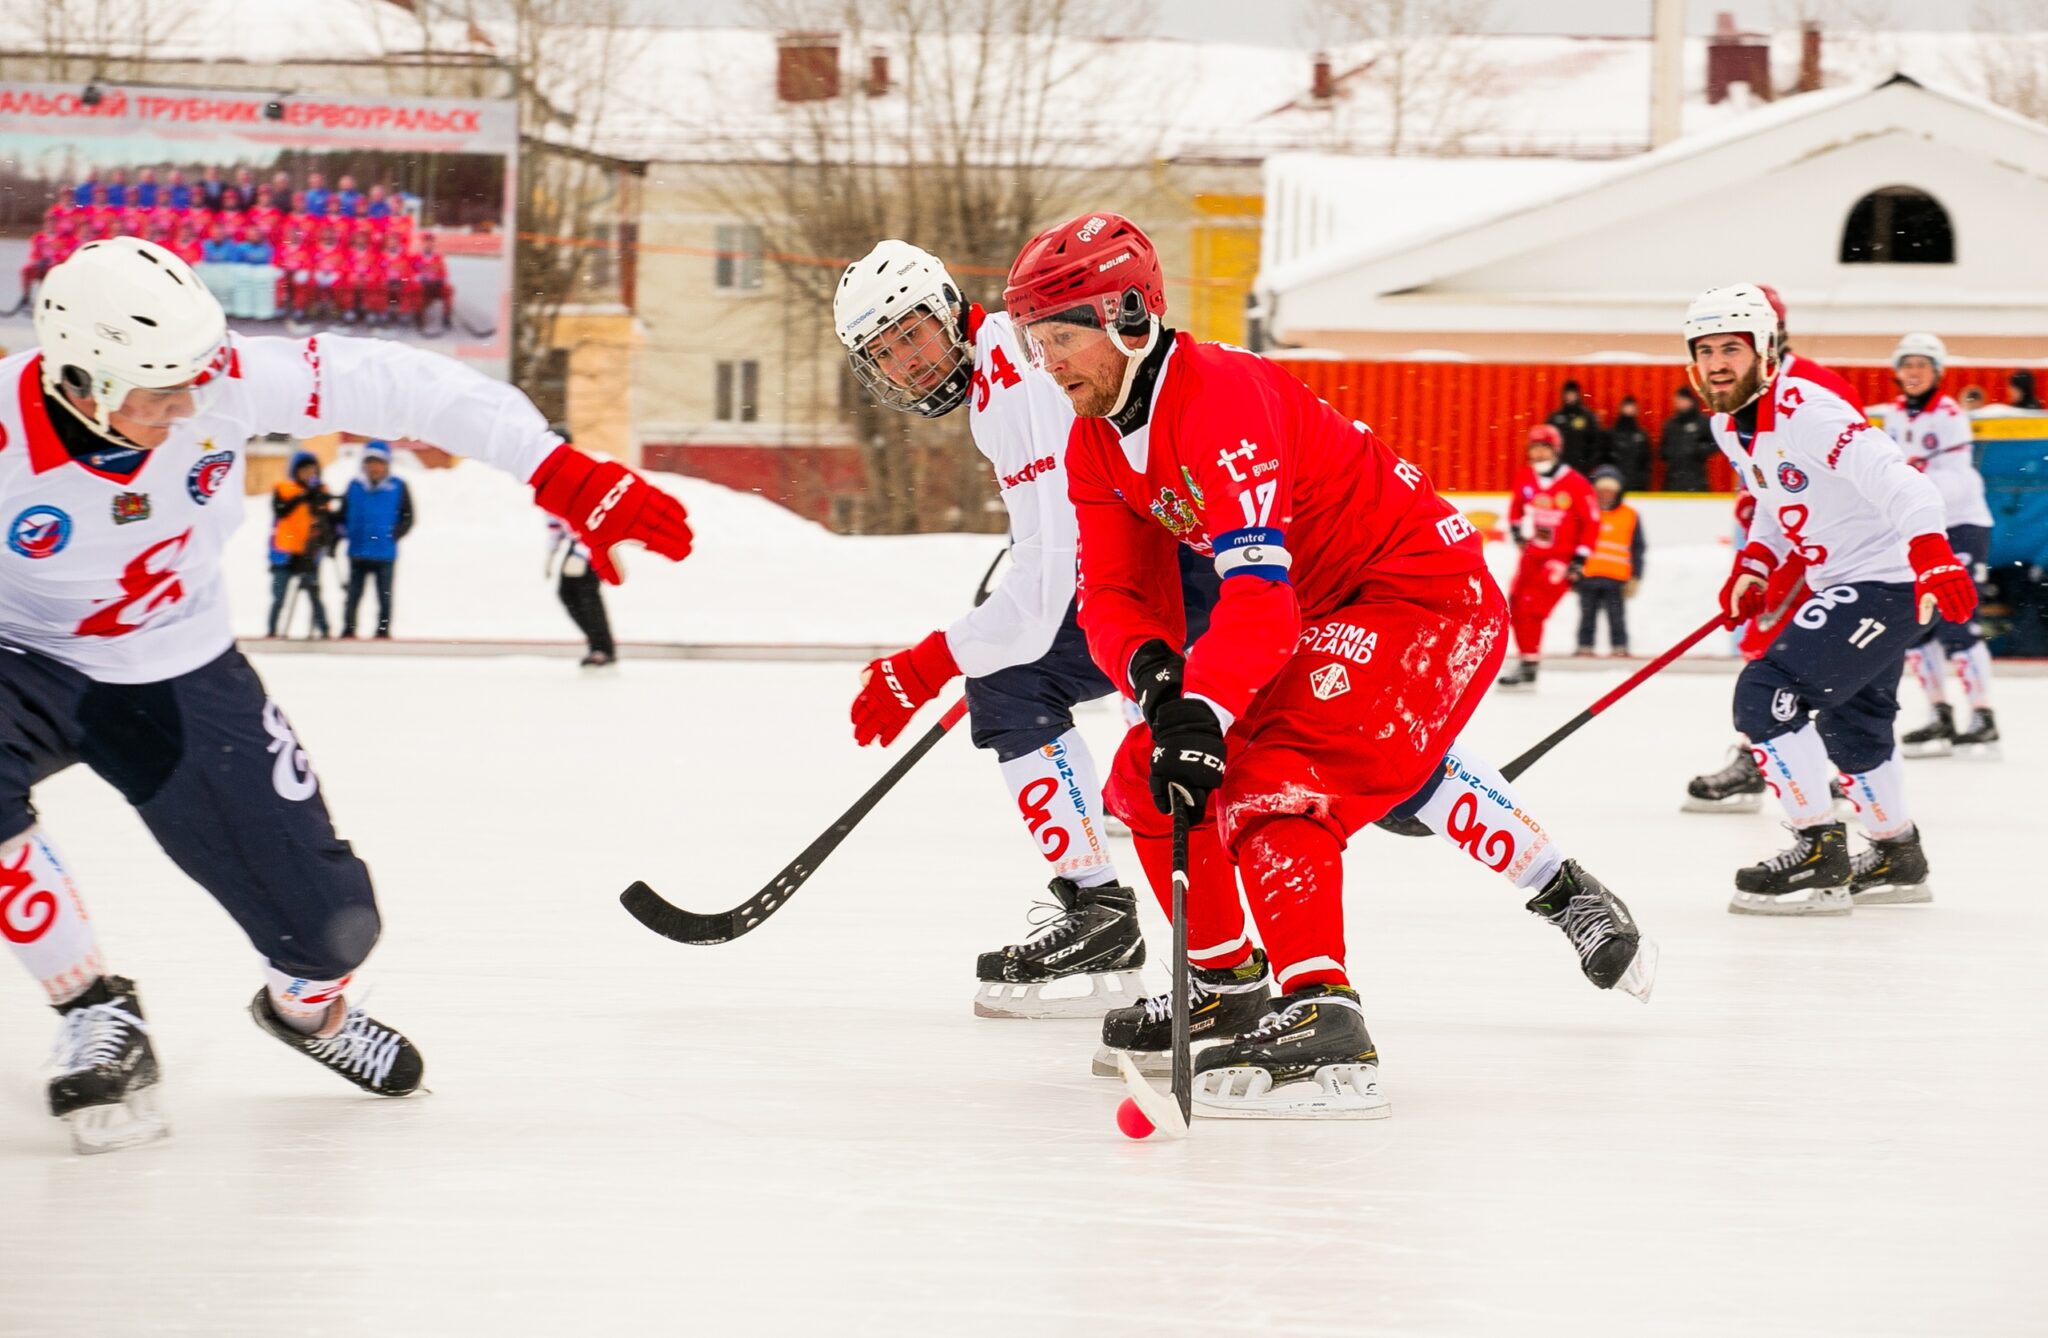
1809	57
1735	57
806	66
1323	83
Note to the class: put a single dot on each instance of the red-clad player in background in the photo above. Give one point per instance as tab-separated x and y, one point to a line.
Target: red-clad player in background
401	278
365	281
1554	519
1356	631
330	269
432	268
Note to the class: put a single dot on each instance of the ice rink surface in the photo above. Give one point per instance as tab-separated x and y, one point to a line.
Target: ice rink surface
1830	1127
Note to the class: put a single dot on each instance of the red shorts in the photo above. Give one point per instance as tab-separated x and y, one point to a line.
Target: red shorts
1540	582
1357	720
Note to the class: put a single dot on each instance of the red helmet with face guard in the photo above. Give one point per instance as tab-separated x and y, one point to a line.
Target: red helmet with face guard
1094	269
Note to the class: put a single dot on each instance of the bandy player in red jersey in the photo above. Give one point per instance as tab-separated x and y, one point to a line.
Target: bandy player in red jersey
121	478
1354	635
1554	518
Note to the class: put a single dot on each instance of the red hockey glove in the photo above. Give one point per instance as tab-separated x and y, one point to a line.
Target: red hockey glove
893	688
1743	593
607	504
1940	580
1785	592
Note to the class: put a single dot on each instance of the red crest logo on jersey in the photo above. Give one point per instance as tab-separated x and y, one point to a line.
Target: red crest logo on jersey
130	507
208	474
1791	477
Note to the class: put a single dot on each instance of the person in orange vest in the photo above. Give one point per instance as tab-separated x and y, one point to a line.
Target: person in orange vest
1552	517
1609	581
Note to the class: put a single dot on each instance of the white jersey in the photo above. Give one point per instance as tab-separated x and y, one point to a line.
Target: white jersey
1827	483
1020	419
1938	442
120	579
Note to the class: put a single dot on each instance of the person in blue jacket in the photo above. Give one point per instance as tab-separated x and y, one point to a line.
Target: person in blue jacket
376	513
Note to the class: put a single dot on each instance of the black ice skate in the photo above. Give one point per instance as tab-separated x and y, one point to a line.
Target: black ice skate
1891	872
352	1043
1811	878
1981	739
1735	788
1226	1002
1310	1058
1521	678
106	1087
1936	738
1612	951
1090	945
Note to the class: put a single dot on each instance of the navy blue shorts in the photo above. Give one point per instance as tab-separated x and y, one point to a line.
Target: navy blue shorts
1973	545
212	767
1019	710
1837	662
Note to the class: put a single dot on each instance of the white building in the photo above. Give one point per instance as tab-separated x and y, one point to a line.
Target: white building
1875	209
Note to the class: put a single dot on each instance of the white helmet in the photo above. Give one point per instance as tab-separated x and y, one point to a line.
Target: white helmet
1744	309
125	314
885	292
1921	345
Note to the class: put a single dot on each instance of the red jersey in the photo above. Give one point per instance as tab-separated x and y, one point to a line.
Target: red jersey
365	267
332	260
432	266
1563	511
399	265
1304	511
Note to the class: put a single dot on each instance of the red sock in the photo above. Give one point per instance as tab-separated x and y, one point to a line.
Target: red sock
1293	872
1216	929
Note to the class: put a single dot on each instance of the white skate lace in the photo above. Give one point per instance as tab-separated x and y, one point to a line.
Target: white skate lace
361	1047
1053	922
1272	1024
1586	923
1802	849
93	1036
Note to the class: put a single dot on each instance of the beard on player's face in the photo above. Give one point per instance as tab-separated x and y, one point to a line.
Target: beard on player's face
1728	370
1084	361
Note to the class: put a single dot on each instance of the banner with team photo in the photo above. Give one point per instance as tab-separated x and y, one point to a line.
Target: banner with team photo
385	217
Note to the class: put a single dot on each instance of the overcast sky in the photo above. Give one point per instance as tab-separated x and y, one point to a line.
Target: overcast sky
1280	22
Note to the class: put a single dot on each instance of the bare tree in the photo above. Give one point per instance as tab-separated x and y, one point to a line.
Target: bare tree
1424	75
981	130
2010	59
105	39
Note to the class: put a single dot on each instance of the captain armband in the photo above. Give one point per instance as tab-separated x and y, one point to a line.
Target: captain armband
1258	552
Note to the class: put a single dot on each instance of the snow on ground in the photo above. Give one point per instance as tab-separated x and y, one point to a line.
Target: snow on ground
474	569
1814	1128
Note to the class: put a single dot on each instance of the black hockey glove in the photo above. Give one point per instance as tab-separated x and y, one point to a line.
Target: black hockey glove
1155	676
1187	756
1577	571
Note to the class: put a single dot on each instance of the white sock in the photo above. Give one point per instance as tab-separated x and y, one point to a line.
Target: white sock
1880	798
1973	670
302	1003
1925	666
1796	768
1477	810
1060	799
43	919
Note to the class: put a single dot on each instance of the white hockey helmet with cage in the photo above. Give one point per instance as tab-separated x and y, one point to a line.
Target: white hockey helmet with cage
1921	345
882	303
124	314
1743	309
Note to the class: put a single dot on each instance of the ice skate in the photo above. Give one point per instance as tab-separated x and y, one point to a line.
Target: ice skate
1310	1058
1981	739
1612	951
1226	1002
1936	738
349	1041
106	1086
1521	678
1735	788
1810	878
1082	962
1891	872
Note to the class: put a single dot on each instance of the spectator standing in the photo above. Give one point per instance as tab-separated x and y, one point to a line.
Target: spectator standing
317	193
299	535
2019	390
177	191
1611	574
1686	443
1628	446
210	188
1578	428
117	188
582	594
376	512
144	196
